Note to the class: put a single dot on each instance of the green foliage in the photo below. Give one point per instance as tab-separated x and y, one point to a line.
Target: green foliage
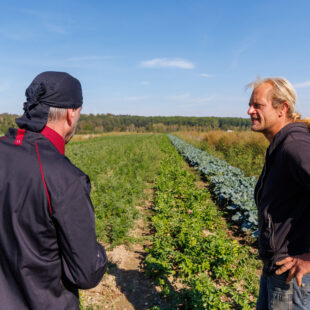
228	184
249	156
109	122
131	123
6	121
194	261
119	168
244	150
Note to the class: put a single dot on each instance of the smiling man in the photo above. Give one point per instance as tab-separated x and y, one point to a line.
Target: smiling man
282	196
48	246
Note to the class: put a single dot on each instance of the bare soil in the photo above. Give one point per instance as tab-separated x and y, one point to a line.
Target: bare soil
125	285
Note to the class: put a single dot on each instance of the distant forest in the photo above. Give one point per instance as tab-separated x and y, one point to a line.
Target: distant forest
90	123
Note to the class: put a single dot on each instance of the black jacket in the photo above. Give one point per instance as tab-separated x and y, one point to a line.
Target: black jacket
48	246
282	195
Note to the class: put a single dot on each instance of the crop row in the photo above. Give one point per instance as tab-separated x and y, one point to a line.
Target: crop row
229	186
120	168
193	260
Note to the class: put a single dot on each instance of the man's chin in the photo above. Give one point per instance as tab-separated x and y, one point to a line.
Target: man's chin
70	135
256	128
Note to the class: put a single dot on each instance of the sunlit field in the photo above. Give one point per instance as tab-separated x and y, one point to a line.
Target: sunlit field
242	149
192	255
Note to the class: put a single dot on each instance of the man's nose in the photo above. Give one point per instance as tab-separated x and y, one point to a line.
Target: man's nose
251	110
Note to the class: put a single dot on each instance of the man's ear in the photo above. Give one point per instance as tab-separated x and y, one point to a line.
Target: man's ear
283	109
70	116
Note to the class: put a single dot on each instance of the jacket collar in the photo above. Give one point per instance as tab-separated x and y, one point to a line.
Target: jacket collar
284	132
55	138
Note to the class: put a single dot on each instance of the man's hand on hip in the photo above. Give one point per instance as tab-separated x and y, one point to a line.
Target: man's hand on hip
297	265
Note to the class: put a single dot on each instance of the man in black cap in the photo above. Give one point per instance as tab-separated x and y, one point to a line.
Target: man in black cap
48	247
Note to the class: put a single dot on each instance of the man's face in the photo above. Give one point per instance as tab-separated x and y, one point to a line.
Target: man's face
264	116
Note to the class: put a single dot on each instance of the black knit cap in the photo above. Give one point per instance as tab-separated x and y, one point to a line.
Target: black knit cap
49	89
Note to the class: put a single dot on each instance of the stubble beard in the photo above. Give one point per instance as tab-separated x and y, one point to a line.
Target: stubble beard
70	134
257	126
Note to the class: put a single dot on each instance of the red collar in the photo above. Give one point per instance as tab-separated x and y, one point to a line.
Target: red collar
55	138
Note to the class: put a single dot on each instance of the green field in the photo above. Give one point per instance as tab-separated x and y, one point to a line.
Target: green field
120	168
193	255
193	258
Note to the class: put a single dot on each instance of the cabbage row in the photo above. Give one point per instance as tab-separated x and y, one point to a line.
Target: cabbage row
229	186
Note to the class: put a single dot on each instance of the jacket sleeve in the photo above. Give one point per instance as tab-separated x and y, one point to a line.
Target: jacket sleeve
84	260
298	161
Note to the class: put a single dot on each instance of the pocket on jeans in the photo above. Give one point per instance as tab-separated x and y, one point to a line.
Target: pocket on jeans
280	301
280	293
278	282
305	290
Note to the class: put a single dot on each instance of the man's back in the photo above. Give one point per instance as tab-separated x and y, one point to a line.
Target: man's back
48	245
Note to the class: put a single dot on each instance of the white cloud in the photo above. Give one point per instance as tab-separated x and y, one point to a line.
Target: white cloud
207	75
302	85
144	83
167	63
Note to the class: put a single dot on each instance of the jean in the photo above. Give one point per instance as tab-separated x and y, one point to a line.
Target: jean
275	294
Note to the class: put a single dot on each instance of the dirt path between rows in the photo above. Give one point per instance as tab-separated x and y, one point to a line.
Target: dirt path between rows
125	286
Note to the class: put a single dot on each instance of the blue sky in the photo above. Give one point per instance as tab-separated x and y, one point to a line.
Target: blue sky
173	57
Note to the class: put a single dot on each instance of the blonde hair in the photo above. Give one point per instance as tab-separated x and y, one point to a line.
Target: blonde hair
282	91
56	114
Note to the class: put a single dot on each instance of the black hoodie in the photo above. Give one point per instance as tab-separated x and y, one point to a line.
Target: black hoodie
282	195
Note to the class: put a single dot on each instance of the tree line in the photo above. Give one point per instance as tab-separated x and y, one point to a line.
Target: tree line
99	123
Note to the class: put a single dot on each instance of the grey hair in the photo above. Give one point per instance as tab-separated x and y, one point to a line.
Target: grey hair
56	114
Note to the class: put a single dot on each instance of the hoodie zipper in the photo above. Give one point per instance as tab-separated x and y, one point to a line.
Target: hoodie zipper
266	216
262	177
261	183
270	227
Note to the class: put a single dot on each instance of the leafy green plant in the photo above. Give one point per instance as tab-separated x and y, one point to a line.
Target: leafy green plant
191	257
193	260
120	169
228	184
242	149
